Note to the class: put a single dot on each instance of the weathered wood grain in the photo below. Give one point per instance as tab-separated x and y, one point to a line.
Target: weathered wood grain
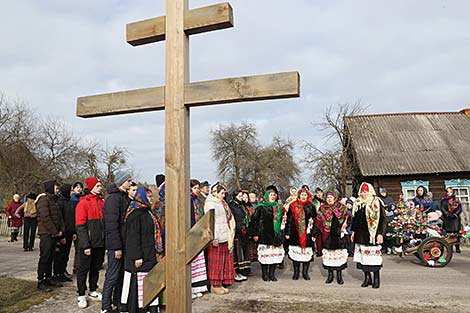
228	90
198	238
200	20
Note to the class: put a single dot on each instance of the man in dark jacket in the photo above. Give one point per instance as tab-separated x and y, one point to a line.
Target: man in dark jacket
50	227
68	213
114	212
90	231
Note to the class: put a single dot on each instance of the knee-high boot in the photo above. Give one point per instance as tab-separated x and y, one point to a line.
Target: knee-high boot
376	283
264	270
367	280
296	270
339	277
330	278
305	267
272	271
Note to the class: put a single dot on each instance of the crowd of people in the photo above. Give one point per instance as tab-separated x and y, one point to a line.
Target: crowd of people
128	227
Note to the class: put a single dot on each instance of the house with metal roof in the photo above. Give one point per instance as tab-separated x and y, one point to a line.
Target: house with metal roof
404	150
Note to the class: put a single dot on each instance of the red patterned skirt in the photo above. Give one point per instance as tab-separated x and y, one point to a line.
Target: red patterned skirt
220	263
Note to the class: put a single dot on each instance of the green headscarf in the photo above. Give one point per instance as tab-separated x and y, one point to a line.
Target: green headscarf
277	211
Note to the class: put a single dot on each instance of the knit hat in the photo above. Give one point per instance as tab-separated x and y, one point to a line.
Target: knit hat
349	201
91	182
330	193
120	177
65	190
382	190
32	196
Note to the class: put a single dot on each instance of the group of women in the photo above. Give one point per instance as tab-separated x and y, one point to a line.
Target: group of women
294	228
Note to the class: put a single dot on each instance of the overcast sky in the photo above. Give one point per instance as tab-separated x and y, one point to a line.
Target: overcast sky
397	56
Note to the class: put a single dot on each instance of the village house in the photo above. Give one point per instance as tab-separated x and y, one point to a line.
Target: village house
404	150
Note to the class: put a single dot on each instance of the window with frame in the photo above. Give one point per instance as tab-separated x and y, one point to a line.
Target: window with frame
409	188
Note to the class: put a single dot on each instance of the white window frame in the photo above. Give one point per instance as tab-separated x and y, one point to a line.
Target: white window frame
412	185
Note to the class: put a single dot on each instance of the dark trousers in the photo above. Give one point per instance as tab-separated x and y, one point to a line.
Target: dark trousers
76	257
112	288
89	265
62	257
47	245
29	232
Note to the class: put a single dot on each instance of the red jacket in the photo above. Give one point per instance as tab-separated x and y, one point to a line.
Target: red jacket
89	220
10	210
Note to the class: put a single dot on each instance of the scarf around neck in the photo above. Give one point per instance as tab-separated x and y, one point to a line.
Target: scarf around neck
277	212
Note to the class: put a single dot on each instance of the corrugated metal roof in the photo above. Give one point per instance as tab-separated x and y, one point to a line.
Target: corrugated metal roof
410	143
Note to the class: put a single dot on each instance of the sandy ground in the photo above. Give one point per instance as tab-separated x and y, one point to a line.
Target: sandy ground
407	286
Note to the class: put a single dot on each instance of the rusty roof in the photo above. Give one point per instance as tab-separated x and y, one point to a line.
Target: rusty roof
410	143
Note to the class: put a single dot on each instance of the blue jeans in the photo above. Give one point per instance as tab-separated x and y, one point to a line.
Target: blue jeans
112	288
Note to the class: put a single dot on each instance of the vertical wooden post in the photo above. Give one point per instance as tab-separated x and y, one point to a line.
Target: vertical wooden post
177	159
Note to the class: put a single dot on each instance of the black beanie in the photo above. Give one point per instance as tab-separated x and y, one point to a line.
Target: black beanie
65	190
159	179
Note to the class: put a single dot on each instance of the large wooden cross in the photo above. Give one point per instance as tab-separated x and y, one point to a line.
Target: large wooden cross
176	97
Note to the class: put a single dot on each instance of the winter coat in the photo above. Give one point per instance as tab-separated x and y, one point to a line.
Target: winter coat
292	226
10	212
68	212
262	226
451	209
140	241
50	220
221	226
90	222
360	226
240	214
329	229
114	212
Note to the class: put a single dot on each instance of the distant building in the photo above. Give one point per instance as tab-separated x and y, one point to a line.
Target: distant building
404	150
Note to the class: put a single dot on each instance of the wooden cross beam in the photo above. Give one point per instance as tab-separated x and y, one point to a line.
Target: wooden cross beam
176	97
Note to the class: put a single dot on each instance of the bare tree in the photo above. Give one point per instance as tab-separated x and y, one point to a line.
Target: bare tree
233	147
332	163
244	164
113	158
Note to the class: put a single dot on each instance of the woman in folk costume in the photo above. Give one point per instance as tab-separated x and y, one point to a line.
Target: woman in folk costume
141	252
330	227
368	229
300	219
240	249
451	208
252	245
220	253
198	266
267	232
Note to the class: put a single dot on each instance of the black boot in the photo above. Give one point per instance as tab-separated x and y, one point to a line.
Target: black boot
272	271
367	280
296	270
457	248
339	277
52	282
15	236
42	286
264	270
305	267
376	283
12	236
281	265
330	278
